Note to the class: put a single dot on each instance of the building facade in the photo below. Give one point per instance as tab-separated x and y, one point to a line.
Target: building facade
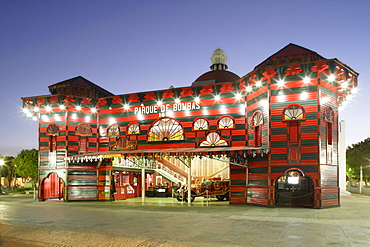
273	133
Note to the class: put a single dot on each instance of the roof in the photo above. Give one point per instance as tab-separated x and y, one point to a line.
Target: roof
216	76
80	81
290	50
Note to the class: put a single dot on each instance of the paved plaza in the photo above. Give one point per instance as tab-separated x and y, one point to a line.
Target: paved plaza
165	222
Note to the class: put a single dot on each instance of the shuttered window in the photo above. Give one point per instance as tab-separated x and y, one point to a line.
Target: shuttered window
83	145
293	132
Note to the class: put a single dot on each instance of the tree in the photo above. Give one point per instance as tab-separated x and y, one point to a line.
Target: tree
26	165
8	169
359	155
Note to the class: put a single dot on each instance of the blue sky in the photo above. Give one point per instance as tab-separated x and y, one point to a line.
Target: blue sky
134	46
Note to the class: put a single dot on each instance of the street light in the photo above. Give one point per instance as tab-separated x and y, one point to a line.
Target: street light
361	177
1	164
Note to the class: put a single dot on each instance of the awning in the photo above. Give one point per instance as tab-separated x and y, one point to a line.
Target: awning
233	152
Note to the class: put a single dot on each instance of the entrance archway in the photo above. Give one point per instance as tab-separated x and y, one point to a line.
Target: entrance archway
294	188
52	187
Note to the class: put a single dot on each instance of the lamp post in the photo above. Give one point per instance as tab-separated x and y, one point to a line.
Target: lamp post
1	167
361	177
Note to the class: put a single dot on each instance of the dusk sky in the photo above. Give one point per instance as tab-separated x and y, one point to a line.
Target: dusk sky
135	46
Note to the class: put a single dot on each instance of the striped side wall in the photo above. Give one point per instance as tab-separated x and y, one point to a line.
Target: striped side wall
104	181
82	181
258	189
238	178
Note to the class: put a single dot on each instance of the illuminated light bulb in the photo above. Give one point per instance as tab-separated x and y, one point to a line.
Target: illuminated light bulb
93	110
78	108
306	80
45	118
112	121
57	118
126	106
242	108
340	108
140	116
249	89
217	97
159	103
281	98
36	109
48	108
349	97
205	111
345	103
344	84
238	96
34	118
196	99
74	116
354	90
177	100
331	78
304	96
25	110
29	114
187	113
258	83
62	107
223	109
281	83
87	119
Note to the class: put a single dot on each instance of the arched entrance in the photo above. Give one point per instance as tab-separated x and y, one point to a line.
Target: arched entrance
52	187
294	188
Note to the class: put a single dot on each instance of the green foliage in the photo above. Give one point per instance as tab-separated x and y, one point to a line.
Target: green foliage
358	155
26	164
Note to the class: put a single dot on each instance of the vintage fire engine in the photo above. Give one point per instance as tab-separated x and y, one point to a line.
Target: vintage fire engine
213	188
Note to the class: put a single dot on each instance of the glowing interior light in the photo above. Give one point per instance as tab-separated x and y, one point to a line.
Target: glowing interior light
197	100
25	110
249	89
306	80
78	108
126	106
258	83
87	119
325	100
112	121
159	103
36	109
304	95
177	100
62	107
331	78
293	180
217	97
223	109
48	108
93	110
281	83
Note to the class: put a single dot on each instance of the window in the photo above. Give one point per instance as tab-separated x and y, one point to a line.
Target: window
83	130
213	139
133	129
329	119
226	122
257	121
294	112
166	129
113	130
200	123
52	129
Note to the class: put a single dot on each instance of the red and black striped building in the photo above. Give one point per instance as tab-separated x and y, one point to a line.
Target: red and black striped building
276	130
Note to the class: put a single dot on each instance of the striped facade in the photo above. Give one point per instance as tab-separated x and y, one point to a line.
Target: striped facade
278	120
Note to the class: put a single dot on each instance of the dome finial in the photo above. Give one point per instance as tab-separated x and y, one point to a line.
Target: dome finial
218	60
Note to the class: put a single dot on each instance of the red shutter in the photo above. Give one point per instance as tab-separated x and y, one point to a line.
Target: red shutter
257	136
293	132
52	143
329	130
83	144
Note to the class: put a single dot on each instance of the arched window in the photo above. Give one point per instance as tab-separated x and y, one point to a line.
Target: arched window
200	123
113	130
83	131
133	129
329	119
166	129
213	139
257	121
226	122
293	113
52	130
